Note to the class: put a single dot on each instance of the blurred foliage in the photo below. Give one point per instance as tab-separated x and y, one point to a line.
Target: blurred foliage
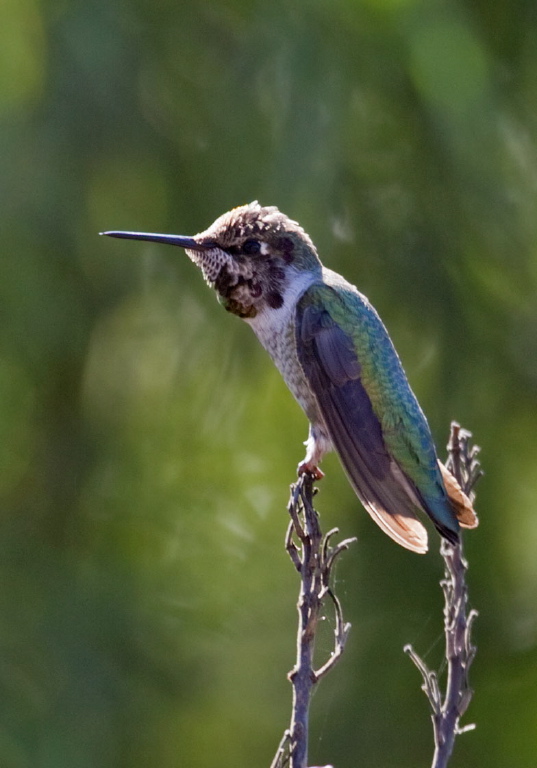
147	443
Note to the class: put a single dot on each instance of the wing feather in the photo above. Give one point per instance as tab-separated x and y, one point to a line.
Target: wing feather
331	365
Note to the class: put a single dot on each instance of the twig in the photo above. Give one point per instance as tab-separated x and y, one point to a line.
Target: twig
460	652
314	557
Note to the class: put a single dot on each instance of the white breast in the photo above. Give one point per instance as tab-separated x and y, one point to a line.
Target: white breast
270	325
275	329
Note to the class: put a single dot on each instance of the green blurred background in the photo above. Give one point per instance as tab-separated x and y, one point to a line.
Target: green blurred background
147	443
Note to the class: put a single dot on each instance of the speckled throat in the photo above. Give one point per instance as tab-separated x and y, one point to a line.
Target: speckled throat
244	285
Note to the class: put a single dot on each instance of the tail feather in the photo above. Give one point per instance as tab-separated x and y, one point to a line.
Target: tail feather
404	528
445	531
461	504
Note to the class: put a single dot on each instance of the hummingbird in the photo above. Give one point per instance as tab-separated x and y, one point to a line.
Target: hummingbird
339	362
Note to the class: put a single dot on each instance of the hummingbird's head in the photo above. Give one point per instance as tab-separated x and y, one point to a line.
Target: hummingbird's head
249	255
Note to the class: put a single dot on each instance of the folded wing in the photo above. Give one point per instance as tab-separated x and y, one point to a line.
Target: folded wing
333	370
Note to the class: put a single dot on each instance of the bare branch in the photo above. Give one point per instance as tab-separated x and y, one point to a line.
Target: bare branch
314	557
341	633
462	459
460	652
281	758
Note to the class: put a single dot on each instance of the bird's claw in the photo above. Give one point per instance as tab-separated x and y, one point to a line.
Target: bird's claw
311	469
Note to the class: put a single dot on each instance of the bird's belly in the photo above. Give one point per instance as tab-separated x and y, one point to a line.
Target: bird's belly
280	343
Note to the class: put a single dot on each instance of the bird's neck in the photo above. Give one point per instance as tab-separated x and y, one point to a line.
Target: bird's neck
274	322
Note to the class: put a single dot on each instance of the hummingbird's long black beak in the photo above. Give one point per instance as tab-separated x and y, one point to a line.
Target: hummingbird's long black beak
182	242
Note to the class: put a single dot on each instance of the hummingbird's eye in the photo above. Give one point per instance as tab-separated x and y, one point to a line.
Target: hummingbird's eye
251	247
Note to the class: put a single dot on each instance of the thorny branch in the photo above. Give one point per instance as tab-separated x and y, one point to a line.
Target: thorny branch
314	556
447	710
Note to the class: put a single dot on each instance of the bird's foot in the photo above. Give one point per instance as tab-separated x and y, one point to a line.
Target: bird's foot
306	467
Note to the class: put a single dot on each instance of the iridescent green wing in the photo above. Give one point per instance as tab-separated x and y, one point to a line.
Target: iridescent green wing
373	419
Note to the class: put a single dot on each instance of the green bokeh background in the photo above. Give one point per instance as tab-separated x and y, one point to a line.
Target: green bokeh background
146	442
